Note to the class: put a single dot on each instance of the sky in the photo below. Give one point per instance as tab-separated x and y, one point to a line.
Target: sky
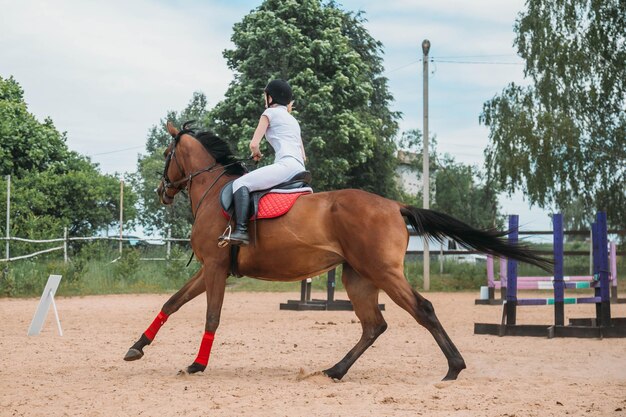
106	71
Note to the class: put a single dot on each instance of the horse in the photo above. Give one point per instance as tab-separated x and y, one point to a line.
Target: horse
363	232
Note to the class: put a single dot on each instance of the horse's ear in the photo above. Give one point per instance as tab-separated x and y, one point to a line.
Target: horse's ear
170	128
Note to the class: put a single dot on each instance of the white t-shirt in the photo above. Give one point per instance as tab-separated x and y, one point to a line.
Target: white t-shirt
283	133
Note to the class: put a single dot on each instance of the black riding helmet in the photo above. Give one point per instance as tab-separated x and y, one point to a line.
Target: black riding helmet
280	92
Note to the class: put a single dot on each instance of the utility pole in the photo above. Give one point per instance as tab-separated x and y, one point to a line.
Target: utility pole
426	163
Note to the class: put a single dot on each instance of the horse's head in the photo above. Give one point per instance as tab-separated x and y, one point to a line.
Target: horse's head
174	178
202	153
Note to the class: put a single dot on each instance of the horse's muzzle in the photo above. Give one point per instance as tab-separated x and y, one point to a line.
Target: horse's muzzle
163	197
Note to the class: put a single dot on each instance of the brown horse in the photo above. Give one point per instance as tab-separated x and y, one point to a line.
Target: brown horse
363	232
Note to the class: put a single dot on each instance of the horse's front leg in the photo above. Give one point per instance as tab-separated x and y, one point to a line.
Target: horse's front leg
194	287
215	280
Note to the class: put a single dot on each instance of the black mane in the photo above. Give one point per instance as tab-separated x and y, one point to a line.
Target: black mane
220	150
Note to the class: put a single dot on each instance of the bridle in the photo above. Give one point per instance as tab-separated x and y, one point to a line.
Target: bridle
186	181
167	183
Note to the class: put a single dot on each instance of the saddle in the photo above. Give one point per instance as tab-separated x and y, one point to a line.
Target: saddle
270	203
265	204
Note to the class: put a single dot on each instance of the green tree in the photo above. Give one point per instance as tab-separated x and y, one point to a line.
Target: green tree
52	187
459	192
342	99
455	188
154	216
576	217
563	138
27	145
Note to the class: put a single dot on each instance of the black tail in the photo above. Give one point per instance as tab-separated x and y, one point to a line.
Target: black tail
439	225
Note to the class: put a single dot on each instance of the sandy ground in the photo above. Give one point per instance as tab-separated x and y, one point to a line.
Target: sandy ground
264	362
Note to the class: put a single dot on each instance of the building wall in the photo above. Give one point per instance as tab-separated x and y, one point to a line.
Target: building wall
409	179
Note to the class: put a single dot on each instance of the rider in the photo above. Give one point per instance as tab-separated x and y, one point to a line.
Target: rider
282	131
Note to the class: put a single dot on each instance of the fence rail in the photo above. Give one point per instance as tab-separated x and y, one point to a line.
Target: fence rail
31	255
168	240
66	240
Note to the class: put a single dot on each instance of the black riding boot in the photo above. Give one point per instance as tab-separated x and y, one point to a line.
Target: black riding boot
241	199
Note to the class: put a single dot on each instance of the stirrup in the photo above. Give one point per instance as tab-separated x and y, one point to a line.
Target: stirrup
224	240
240	241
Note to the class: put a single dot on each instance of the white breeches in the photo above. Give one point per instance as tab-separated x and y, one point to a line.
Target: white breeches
270	175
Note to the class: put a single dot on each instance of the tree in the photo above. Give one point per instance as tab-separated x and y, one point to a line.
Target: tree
153	215
52	187
342	99
458	193
563	138
455	188
27	145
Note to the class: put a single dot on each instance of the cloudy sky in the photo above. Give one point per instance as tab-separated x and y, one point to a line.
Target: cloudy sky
106	71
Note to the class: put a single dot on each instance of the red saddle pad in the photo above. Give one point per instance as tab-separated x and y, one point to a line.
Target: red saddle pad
276	204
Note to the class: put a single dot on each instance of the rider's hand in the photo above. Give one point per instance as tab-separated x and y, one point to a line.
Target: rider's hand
256	152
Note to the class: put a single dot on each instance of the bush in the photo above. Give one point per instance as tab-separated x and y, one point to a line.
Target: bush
126	266
176	270
7	282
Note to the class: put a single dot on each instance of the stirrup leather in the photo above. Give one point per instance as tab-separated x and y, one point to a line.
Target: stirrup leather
224	240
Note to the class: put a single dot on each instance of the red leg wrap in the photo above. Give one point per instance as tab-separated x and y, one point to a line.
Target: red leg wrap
205	348
156	325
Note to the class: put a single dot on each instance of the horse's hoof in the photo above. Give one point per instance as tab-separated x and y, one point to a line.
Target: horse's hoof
133	354
195	367
333	374
453	373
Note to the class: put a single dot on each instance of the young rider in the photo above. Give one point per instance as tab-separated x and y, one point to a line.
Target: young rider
282	131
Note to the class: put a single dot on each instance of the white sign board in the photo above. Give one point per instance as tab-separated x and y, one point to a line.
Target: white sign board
47	298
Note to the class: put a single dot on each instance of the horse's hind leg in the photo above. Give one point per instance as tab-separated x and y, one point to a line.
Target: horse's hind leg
194	287
364	297
397	287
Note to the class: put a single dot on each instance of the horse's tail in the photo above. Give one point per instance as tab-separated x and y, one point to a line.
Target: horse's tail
439	225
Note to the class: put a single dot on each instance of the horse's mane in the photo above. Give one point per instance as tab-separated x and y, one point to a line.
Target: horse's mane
219	149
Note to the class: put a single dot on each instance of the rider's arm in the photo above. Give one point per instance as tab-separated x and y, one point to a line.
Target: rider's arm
255	143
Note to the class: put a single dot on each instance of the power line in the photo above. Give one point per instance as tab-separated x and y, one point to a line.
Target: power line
116	151
472	56
404	66
477	62
461	59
